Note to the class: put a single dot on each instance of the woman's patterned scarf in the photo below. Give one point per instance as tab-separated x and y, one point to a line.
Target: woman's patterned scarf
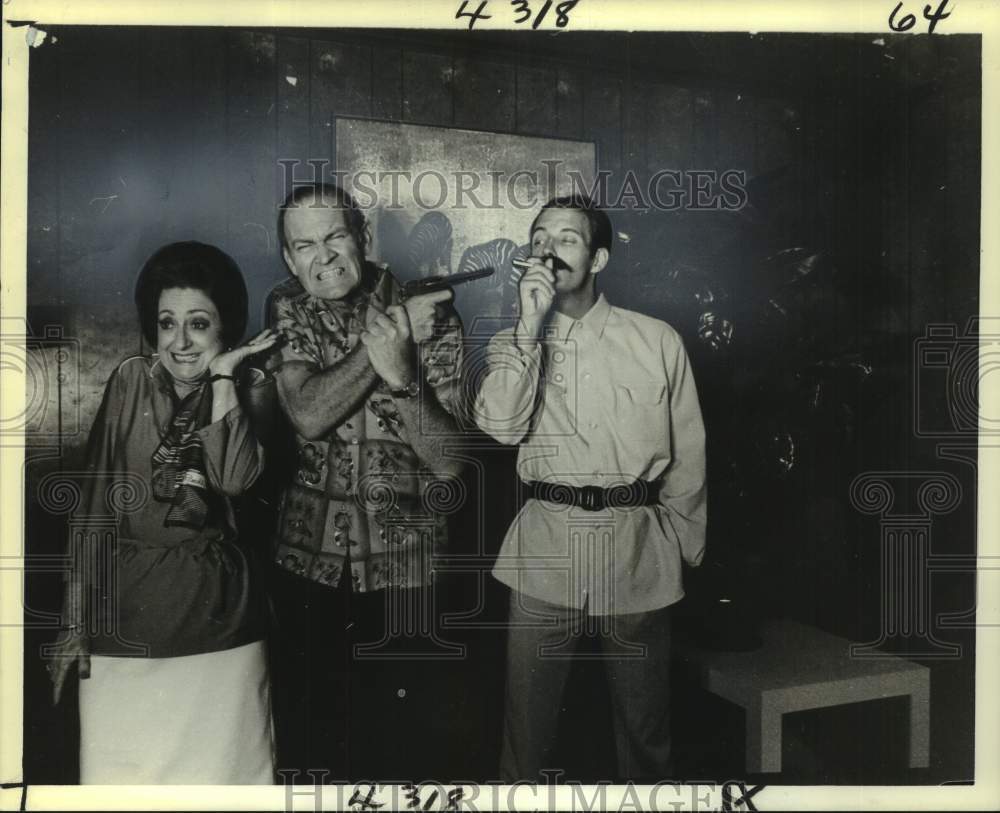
179	462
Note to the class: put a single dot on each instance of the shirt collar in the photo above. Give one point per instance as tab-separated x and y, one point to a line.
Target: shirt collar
162	378
593	320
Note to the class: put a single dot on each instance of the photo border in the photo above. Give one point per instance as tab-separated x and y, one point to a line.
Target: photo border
738	15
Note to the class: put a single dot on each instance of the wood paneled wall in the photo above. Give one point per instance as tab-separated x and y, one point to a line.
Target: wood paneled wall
139	137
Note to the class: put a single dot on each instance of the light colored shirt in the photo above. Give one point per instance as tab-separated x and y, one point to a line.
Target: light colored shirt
604	400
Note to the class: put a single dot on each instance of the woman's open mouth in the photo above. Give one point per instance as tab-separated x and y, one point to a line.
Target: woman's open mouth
185	358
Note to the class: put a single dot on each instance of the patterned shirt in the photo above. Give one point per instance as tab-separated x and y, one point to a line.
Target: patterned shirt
176	591
360	498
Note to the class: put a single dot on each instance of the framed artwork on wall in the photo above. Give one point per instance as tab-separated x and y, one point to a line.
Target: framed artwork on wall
444	200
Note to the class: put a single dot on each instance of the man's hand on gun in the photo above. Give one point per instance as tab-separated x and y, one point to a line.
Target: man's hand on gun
423	298
388	339
424	311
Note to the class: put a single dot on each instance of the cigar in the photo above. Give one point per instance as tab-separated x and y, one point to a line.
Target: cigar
525	264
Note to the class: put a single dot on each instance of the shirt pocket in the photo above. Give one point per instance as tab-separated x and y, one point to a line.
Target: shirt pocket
639	394
641	410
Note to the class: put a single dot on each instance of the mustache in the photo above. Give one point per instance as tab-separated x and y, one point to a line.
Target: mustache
557	263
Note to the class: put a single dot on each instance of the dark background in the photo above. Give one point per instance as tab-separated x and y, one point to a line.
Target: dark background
863	160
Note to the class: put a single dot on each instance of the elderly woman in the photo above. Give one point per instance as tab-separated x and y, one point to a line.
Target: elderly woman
165	616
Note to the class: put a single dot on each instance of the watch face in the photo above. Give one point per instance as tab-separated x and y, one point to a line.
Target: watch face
409	391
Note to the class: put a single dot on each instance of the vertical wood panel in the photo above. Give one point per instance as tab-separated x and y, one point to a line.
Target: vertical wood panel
536	100
251	56
669	138
624	286
48	402
206	198
101	209
387	82
252	169
569	103
926	195
737	132
96	145
43	174
293	89
635	112
166	138
706	129
602	119
484	94
670	129
341	86
773	148
294	81
428	88
961	219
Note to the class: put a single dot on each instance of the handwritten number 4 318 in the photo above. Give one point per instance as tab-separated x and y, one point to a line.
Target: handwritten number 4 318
908	20
523	9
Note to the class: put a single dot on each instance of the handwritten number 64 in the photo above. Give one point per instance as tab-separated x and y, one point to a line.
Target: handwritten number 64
909	20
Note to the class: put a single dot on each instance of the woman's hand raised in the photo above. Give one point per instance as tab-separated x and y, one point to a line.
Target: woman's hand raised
226	363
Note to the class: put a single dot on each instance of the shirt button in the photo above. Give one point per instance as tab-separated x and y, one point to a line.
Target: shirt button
586	376
558	378
559	356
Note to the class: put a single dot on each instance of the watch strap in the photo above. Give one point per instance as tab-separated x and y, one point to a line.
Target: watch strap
411	390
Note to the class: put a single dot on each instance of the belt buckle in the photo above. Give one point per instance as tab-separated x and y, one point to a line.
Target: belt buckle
591	498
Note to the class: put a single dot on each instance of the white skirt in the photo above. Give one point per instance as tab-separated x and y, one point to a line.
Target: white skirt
193	720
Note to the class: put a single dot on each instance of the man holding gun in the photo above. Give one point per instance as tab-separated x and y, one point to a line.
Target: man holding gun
354	527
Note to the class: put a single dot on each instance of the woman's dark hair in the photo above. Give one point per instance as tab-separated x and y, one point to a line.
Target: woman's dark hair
201	267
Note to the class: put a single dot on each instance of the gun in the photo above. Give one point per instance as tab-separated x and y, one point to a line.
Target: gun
441	281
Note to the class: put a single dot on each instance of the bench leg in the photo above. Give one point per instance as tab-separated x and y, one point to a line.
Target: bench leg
920	726
763	742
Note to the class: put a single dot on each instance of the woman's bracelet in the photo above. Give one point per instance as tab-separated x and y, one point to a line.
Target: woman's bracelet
221	377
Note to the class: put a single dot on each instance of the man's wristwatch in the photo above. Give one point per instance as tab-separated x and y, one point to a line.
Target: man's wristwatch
411	390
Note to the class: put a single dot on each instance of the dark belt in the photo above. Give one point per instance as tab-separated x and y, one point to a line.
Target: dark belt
595	498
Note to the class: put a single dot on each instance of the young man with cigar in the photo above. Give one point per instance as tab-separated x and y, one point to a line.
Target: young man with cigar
603	405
